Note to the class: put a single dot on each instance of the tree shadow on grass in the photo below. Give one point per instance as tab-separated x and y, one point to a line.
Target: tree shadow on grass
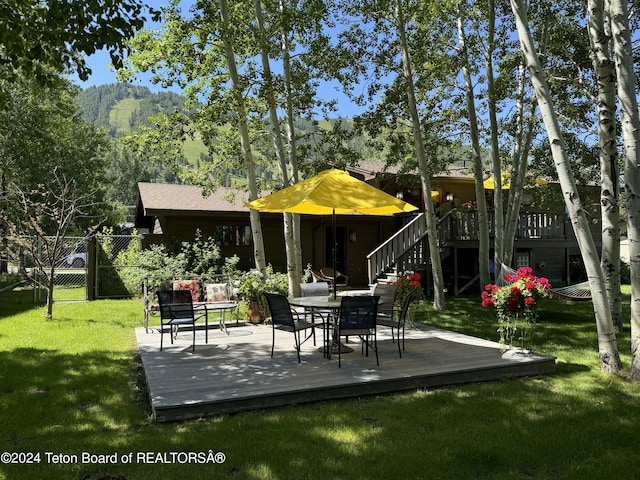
67	403
16	301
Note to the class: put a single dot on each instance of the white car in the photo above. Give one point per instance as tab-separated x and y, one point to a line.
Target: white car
76	260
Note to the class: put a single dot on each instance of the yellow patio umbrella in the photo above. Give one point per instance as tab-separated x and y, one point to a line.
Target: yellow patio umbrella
489	183
331	192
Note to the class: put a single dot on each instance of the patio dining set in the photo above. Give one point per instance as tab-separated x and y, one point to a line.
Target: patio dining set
339	319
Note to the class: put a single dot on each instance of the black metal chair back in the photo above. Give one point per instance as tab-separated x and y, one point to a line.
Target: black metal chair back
284	318
176	308
358	318
399	323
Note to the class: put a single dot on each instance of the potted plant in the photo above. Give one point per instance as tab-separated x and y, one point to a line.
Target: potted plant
251	288
253	284
516	306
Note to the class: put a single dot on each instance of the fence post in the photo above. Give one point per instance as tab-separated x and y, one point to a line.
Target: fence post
92	259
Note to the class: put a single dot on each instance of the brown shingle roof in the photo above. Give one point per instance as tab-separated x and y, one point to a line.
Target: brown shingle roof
157	197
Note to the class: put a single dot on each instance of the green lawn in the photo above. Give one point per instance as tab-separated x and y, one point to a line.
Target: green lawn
73	387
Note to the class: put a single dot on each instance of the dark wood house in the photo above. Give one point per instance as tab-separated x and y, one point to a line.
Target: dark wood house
368	247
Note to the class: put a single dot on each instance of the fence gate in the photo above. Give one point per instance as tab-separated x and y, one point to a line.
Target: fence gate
107	280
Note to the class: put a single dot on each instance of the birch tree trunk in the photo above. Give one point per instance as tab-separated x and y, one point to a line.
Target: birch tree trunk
631	133
519	161
498	207
604	67
292	151
483	218
245	140
434	248
608	349
293	269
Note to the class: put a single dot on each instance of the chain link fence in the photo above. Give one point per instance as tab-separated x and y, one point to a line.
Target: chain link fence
69	262
83	268
108	277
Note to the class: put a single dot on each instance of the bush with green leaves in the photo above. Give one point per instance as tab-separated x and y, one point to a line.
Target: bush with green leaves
198	259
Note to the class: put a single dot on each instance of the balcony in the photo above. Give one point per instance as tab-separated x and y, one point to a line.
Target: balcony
463	225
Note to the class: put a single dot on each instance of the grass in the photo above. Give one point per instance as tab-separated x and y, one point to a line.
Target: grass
75	385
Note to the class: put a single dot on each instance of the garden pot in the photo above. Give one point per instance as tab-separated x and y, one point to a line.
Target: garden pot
254	313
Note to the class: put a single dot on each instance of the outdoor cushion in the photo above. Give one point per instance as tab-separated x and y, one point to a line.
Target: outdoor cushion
217	292
192	285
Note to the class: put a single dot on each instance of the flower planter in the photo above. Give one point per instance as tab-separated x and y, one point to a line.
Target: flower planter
254	312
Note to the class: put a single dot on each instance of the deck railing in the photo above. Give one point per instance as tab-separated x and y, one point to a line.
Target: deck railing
386	255
408	247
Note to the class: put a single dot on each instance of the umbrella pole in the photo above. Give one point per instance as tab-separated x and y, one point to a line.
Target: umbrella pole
334	253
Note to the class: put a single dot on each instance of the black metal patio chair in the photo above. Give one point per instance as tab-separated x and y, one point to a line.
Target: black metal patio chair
357	318
176	308
387	294
398	321
283	317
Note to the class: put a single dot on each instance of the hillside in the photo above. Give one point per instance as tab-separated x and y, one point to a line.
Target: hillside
123	107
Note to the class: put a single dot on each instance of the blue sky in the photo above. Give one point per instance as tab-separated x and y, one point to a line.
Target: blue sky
102	74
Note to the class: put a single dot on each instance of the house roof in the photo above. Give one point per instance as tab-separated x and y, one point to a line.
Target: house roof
155	198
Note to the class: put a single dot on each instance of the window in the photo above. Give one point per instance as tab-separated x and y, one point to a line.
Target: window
233	235
522	259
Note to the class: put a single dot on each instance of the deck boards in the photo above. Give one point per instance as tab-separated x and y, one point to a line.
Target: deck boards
235	372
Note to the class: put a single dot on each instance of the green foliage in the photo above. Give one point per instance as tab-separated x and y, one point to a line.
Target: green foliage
41	133
160	266
10	279
252	284
202	256
38	37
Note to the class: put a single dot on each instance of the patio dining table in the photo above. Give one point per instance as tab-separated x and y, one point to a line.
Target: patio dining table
326	303
322	302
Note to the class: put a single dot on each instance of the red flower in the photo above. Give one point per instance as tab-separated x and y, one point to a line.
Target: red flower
515	291
530	286
513	303
530	301
489	301
525	272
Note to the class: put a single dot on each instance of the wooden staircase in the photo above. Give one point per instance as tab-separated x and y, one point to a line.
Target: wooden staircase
407	249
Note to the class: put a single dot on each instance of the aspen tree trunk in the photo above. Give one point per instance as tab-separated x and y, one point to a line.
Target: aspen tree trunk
631	134
293	269
607	346
604	67
245	140
513	203
434	250
483	217
519	160
498	207
292	153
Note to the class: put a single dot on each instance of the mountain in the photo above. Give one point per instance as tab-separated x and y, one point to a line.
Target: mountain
121	107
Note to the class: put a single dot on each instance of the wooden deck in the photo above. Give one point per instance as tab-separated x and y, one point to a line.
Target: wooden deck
235	372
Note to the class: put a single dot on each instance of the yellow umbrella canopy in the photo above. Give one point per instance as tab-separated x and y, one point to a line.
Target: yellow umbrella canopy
331	191
489	183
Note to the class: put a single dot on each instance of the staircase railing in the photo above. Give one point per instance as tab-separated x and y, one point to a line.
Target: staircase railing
408	248
417	254
386	254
